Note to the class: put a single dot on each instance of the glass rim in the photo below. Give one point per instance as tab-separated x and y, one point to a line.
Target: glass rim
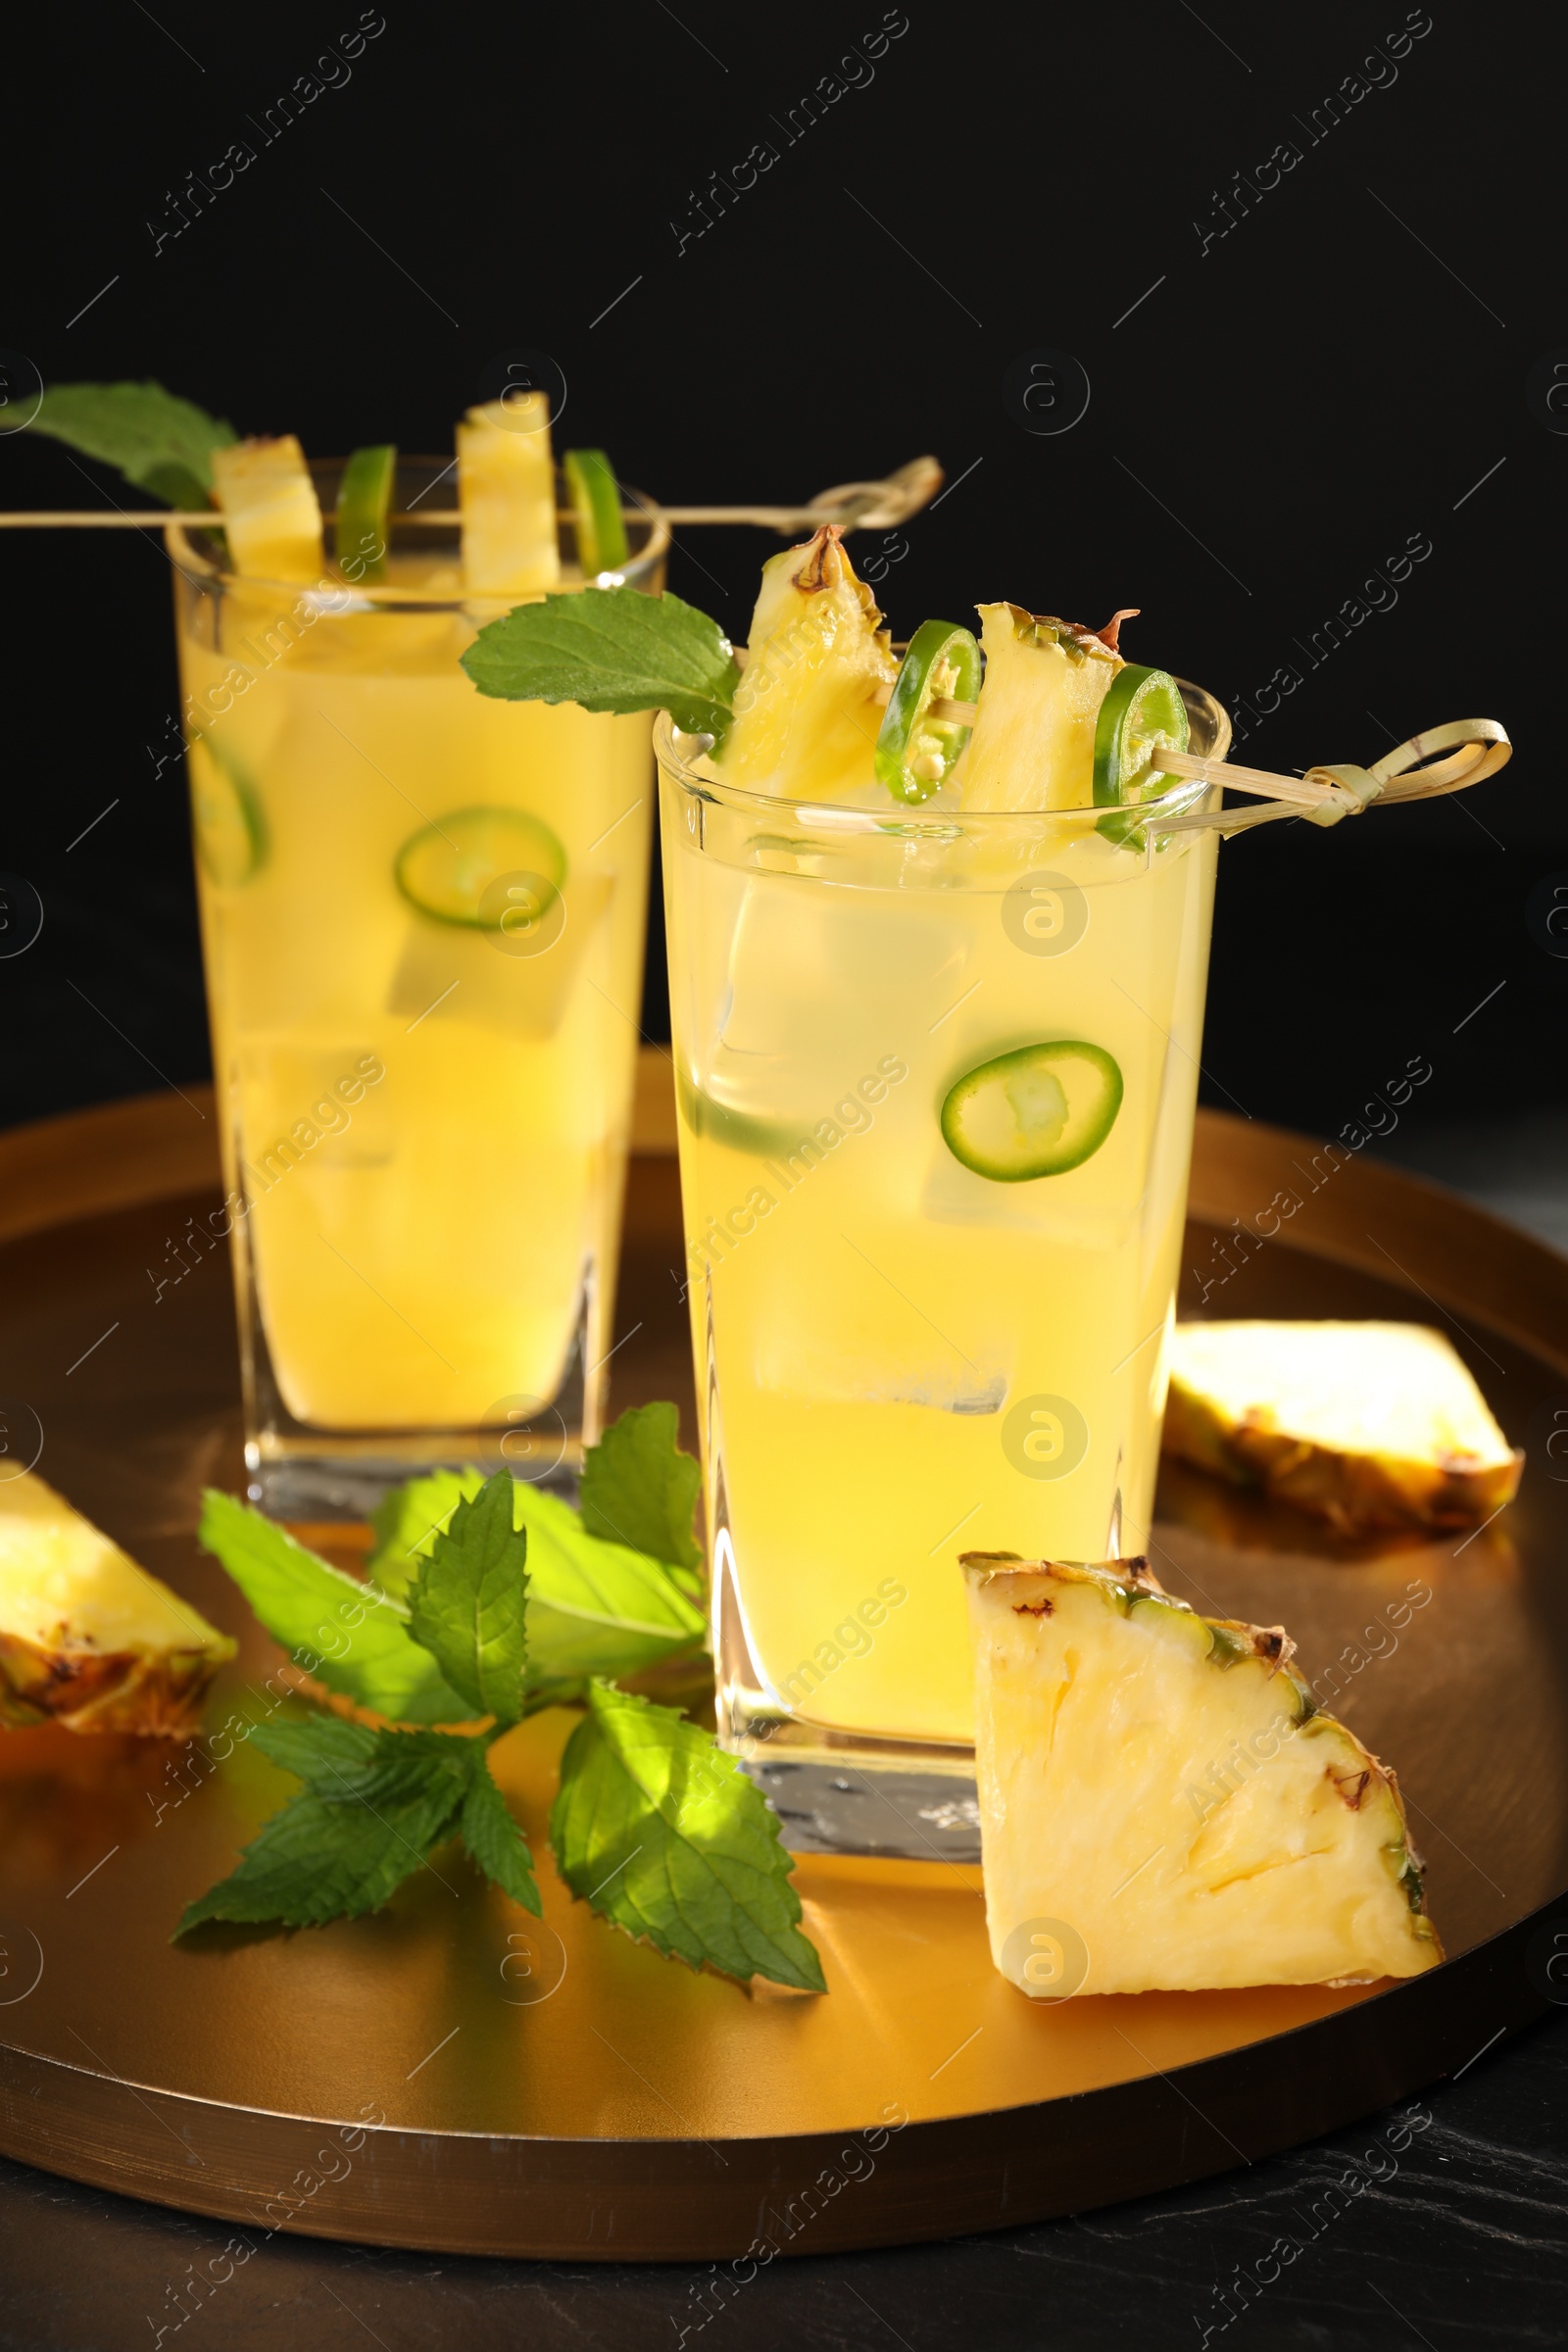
341	595
942	824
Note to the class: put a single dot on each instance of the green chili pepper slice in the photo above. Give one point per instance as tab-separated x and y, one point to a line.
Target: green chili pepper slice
915	753
595	496
1036	1112
364	504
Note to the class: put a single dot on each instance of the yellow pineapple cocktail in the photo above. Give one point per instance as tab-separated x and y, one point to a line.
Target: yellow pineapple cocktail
422	917
901	1359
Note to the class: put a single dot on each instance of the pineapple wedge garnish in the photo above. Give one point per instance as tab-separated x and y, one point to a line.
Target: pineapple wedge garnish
1161	1805
507	495
1366	1424
88	1639
272	514
806	714
1033	745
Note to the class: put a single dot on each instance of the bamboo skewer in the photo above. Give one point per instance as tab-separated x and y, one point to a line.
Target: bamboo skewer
1411	772
853	506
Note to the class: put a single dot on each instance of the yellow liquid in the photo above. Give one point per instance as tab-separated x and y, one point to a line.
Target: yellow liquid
885	1339
420	1239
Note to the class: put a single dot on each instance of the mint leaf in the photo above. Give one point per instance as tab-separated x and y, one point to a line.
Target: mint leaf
595	1607
610	649
162	444
666	1836
468	1605
640	1489
372	1806
407	1518
494	1840
342	1632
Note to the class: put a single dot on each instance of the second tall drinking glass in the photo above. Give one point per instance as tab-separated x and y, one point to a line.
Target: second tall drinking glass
423	916
899	1359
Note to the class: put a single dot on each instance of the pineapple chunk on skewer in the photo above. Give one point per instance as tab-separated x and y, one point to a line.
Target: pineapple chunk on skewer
1367	1424
270	510
806	720
1161	1805
507	495
1033	745
88	1639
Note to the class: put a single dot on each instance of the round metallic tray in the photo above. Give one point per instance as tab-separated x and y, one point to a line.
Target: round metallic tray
448	2075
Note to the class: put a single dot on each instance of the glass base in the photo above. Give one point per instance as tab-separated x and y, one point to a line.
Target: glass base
836	1806
314	1485
303	1473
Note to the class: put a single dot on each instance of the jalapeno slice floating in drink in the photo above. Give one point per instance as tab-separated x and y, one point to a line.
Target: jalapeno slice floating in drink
1142	713
449	869
595	496
916	750
1036	1112
364	504
227	813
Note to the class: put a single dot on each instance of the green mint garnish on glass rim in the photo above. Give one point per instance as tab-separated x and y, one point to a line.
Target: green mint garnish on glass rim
490	1599
161	444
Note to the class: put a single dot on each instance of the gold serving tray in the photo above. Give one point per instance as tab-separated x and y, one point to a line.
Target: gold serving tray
453	2075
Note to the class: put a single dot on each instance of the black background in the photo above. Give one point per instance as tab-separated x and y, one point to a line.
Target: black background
1291	404
1343	368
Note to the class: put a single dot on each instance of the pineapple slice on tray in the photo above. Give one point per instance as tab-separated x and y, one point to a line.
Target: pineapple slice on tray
270	510
88	1639
1364	1424
1162	1808
507	495
807	718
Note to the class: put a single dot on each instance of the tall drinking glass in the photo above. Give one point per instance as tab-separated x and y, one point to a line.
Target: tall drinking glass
900	1359
423	916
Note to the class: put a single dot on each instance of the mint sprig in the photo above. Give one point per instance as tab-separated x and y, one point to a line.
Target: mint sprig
610	649
468	1605
666	1835
639	1488
162	444
372	1806
350	1636
513	1605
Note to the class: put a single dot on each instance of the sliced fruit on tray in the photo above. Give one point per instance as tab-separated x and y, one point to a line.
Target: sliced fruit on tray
1366	1424
270	510
507	494
805	721
1033	745
87	1637
1162	1808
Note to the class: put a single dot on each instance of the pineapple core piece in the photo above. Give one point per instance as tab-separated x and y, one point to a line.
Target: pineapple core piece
87	1638
1367	1424
270	510
1033	745
507	494
1162	1808
805	714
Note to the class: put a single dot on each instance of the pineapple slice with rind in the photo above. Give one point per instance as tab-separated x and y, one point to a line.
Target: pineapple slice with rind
1161	1805
507	495
1033	745
1365	1423
272	514
88	1639
806	717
